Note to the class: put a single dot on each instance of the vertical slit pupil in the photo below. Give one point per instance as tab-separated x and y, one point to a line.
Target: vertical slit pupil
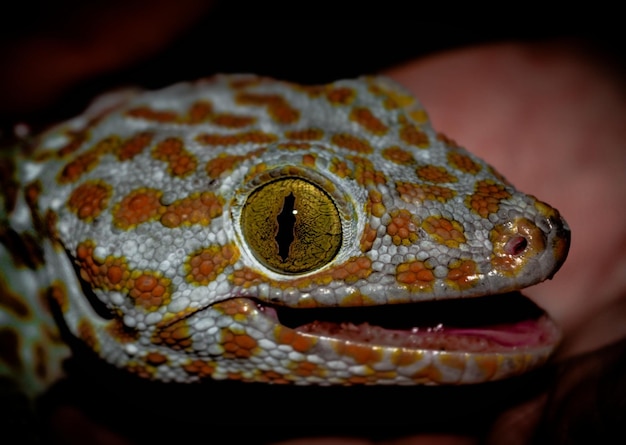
286	221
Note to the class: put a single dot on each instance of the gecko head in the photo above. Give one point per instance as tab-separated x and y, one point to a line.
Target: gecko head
310	251
304	284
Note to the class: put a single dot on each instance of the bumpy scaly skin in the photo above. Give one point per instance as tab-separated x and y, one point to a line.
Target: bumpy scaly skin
137	222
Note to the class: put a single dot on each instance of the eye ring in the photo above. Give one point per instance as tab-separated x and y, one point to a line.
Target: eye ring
291	225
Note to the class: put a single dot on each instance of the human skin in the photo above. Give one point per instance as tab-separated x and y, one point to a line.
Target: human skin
550	118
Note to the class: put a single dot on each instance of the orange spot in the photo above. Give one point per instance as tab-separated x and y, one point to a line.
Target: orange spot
249	137
402	228
486	197
357	299
110	273
398	156
232	120
367	238
87	334
340	168
453	361
404	357
216	167
200	111
416	193
50	222
89	199
374	205
237	309
86	161
489	364
277	107
298	341
237	345
445	231
365	118
420	116
140	370
415	275
120	332
132	146
139	206
205	265
197	208
463	162
363	354
365	173
358	379
308	134
180	161
412	135
245	82
340	95
294	146
233	375
356	268
150	114
149	289
273	377
115	274
176	336
32	192
155	358
12	302
76	139
352	143
463	274
451	143
58	293
433	173
200	368
309	159
306	369
246	277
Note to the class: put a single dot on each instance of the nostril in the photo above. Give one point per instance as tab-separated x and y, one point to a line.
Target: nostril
516	245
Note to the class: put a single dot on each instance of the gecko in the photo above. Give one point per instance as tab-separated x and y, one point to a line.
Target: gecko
240	227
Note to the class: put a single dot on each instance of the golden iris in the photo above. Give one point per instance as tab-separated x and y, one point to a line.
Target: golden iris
291	225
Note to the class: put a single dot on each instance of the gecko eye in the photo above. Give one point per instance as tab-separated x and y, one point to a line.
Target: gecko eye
291	225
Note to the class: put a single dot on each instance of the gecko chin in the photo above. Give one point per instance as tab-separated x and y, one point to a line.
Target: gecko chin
491	324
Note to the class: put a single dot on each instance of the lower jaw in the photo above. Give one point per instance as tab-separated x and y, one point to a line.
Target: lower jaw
506	323
447	342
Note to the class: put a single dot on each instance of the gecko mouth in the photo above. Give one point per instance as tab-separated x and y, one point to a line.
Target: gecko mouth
495	323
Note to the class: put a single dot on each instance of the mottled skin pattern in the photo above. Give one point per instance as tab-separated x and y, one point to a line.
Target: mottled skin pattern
170	229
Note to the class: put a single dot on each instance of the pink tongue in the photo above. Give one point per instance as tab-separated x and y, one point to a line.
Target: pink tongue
496	338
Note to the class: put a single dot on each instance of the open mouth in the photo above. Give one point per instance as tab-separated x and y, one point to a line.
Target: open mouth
497	323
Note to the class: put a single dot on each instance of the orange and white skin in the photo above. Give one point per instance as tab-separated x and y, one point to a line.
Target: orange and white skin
244	228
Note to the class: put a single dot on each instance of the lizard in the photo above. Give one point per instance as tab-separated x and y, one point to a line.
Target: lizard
240	227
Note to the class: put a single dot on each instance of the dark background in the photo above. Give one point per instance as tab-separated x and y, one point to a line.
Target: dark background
241	36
